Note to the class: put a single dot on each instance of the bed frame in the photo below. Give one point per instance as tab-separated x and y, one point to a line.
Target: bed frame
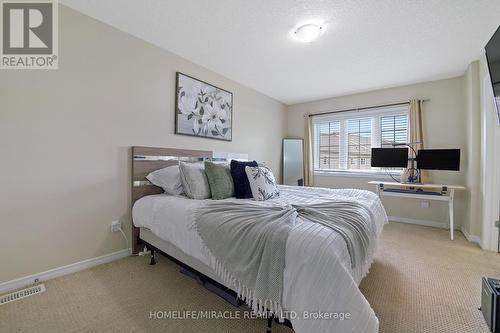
149	159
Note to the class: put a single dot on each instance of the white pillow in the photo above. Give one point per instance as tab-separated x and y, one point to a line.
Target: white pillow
194	180
168	178
262	183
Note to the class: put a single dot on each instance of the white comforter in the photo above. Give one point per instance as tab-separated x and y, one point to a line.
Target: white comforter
319	283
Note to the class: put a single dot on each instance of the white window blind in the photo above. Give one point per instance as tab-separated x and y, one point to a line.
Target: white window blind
343	141
393	129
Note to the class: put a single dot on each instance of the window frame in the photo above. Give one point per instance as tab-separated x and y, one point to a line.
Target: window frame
376	139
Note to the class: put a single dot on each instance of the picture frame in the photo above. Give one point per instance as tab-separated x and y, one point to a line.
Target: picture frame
202	109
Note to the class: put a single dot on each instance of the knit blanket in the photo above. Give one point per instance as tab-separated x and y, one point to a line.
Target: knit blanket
245	243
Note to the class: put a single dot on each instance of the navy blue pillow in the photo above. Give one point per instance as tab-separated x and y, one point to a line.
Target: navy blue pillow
242	188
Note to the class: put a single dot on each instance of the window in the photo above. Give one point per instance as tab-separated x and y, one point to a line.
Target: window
359	136
343	141
329	145
393	129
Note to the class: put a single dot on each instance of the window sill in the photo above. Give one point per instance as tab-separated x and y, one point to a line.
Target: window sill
358	174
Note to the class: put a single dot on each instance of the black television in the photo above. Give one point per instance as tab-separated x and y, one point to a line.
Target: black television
438	159
493	59
389	157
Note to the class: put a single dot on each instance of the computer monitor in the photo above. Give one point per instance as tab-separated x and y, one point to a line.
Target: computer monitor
389	157
438	159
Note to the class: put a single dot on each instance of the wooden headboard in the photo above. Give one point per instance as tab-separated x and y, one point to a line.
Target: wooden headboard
148	159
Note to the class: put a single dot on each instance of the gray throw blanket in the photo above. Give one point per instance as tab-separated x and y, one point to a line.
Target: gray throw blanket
350	219
246	243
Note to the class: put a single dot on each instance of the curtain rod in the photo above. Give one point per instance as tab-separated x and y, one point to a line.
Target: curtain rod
365	108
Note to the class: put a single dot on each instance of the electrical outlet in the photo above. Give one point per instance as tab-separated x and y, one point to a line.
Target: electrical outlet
424	204
116	226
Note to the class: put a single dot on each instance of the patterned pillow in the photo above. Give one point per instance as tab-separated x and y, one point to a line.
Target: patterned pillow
262	183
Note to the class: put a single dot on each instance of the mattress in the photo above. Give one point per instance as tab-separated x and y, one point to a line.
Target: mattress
318	276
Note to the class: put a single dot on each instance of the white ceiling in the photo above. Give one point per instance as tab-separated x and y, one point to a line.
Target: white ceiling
367	45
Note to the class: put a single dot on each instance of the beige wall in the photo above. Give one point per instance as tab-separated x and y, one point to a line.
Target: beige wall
445	126
65	138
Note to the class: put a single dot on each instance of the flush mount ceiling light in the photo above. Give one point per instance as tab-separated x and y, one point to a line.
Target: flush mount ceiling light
308	32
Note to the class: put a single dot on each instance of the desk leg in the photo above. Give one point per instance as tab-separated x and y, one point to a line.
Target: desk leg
377	189
450	203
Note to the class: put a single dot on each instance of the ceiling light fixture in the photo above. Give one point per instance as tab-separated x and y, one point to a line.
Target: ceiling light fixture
308	32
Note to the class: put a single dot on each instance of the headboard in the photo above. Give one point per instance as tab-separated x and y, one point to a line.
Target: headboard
148	159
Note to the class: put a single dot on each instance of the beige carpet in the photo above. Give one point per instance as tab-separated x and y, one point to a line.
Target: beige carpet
420	282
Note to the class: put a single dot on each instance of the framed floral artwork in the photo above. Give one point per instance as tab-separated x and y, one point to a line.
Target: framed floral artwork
202	109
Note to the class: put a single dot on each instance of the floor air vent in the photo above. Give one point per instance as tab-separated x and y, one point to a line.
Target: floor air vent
4	299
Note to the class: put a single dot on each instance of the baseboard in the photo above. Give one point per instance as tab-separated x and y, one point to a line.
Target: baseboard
63	270
435	224
426	223
471	238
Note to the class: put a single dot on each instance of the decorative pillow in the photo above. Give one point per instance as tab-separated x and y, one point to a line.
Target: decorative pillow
168	178
241	185
220	180
262	183
194	180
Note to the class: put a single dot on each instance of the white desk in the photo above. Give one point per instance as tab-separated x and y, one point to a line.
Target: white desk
447	193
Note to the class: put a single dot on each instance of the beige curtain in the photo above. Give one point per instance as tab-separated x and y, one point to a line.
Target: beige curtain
416	135
308	150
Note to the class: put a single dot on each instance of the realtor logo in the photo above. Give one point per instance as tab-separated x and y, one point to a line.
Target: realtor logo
29	34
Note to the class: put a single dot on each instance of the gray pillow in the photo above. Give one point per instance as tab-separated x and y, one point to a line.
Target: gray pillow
220	180
194	180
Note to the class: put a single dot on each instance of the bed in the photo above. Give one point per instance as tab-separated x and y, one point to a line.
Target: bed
320	287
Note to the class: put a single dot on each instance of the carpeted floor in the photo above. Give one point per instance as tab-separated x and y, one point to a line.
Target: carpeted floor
420	282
